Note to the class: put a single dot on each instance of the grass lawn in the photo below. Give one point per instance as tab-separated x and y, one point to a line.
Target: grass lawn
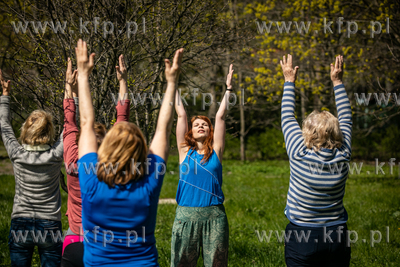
255	197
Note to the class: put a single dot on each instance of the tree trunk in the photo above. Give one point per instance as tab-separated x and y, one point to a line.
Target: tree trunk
213	108
242	124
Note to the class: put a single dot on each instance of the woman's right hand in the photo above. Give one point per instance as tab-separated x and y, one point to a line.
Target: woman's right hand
122	73
71	84
5	84
287	69
337	71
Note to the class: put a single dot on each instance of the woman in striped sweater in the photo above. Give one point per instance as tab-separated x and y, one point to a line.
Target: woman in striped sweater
319	155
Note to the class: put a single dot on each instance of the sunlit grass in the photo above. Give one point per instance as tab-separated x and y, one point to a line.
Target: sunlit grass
255	197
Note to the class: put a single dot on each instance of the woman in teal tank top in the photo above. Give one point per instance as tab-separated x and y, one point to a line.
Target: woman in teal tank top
200	219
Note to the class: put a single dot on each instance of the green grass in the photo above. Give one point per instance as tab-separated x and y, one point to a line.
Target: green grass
255	197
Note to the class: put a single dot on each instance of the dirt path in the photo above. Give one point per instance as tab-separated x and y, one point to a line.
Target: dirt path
166	201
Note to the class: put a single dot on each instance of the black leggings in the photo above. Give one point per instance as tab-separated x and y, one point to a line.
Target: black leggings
321	249
73	255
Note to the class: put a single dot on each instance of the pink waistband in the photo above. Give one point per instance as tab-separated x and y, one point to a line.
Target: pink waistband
69	239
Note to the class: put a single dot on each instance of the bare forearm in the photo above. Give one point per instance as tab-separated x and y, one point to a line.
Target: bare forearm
179	108
223	107
166	111
68	91
123	89
85	100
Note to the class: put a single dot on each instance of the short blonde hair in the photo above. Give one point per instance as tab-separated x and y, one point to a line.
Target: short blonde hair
321	130
122	144
38	129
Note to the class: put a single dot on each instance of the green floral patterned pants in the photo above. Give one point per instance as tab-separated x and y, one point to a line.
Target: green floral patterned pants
200	227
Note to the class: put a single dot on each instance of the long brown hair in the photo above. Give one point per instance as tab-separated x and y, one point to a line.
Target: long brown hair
190	142
121	145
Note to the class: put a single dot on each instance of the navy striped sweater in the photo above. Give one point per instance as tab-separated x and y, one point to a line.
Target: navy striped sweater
317	179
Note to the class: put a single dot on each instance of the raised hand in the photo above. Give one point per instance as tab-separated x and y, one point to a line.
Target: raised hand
85	63
172	72
337	71
122	73
71	85
287	68
70	76
229	77
5	84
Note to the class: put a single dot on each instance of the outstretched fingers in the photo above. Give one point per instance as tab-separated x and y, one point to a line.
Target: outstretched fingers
75	75
337	62
122	62
178	58
69	66
167	64
295	70
91	58
341	63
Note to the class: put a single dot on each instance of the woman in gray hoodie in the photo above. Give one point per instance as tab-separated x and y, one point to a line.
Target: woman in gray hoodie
36	216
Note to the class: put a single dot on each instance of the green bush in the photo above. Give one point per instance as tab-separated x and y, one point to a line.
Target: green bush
269	145
382	144
232	147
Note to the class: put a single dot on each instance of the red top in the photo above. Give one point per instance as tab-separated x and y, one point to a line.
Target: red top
74	211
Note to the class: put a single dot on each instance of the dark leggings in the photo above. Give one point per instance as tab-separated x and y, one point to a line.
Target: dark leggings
321	249
73	255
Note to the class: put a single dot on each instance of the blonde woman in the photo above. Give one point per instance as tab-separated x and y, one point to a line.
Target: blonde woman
119	206
317	228
37	202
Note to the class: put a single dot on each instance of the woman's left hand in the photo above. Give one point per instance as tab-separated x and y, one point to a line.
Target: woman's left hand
5	84
229	77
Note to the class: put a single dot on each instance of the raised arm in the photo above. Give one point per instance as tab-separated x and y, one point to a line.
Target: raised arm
70	110
87	140
71	82
219	131
181	126
290	127
7	134
160	143
342	102
123	105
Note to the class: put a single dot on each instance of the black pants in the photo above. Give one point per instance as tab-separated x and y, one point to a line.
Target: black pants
321	249
73	255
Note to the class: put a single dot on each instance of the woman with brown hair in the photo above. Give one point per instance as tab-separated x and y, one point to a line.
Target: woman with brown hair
72	254
200	220
36	216
121	180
